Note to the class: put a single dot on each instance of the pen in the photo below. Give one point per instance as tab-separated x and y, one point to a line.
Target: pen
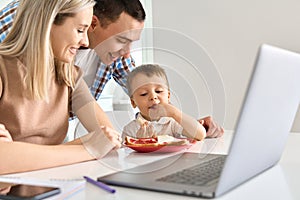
100	184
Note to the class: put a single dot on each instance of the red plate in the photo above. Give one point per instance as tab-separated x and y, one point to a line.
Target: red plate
160	148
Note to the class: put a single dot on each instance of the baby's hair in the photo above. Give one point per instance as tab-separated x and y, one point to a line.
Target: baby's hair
148	70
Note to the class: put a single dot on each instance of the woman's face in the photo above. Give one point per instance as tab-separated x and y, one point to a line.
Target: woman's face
67	37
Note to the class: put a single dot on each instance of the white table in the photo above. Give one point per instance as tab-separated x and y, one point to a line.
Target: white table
280	182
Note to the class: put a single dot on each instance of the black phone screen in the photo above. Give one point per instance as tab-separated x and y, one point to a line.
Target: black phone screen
28	192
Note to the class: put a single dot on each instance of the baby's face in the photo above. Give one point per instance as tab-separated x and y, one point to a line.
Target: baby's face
148	92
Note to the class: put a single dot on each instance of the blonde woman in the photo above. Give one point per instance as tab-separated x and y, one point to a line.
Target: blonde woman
40	87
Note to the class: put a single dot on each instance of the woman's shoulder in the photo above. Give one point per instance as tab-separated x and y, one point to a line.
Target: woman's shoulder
1	59
0	76
77	72
7	60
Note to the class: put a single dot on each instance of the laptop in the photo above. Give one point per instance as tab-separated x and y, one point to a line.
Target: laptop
261	131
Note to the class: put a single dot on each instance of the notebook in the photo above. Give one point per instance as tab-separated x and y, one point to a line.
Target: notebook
261	131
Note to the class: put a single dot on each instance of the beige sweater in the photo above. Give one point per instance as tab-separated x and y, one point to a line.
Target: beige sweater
36	121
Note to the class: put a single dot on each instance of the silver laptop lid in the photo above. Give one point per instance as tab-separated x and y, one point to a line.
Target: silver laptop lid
266	117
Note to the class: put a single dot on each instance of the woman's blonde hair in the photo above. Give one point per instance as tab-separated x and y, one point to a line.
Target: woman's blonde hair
29	39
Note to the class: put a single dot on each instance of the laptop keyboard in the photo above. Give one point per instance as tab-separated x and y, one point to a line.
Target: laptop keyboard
197	175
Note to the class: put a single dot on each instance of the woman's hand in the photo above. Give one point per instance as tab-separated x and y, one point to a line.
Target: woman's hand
213	130
5	190
101	141
113	136
4	134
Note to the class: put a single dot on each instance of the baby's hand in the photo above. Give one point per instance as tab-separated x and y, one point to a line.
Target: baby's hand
146	130
161	110
158	111
4	134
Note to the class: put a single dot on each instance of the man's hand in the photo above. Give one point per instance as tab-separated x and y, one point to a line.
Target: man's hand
213	130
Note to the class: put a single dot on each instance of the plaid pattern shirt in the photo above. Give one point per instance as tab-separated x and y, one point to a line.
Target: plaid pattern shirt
6	18
117	70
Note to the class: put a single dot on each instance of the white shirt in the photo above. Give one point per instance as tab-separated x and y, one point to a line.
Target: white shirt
88	60
164	126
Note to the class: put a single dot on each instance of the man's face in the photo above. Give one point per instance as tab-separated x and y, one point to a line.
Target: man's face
115	40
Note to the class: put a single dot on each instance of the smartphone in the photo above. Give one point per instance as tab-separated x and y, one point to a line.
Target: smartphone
14	191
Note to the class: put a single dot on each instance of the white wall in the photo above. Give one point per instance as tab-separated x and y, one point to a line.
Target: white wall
231	32
4	2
